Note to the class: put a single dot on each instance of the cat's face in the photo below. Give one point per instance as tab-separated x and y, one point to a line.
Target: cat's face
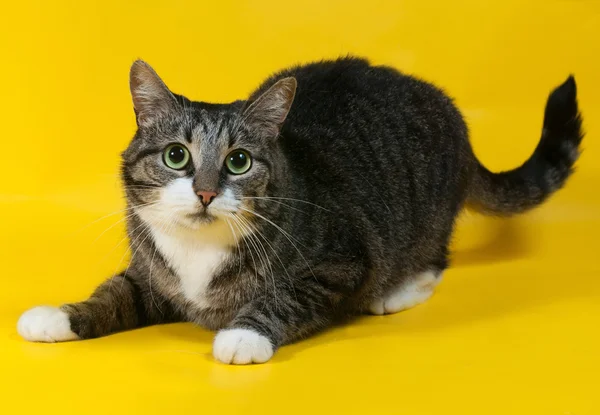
193	165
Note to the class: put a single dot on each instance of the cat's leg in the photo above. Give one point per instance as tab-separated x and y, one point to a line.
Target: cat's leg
410	293
293	312
118	304
267	323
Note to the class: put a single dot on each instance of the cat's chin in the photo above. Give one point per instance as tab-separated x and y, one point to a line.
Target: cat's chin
198	220
189	221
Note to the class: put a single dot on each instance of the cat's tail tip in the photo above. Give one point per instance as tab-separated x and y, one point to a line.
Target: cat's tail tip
546	171
561	108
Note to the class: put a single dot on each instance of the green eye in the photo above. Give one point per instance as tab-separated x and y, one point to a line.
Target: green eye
238	162
176	156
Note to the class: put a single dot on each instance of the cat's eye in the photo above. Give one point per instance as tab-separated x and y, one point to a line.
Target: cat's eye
176	156
238	162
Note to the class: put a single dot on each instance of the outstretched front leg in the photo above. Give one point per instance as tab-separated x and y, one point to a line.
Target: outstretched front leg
121	303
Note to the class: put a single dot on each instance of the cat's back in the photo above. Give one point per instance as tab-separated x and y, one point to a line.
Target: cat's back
349	95
385	152
349	113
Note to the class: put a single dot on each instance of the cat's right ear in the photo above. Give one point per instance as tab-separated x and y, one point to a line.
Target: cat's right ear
266	114
151	97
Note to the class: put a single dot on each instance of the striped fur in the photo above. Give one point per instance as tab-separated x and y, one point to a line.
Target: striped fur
349	204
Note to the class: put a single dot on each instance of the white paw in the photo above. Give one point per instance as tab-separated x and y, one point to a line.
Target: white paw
241	347
408	295
45	324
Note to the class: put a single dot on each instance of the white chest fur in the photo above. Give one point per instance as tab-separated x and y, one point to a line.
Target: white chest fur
194	251
194	257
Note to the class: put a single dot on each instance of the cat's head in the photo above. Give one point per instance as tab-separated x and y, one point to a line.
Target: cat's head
191	164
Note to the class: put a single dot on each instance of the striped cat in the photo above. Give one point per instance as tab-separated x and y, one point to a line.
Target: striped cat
331	191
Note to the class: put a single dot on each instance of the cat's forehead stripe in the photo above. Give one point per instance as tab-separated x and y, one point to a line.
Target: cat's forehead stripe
212	129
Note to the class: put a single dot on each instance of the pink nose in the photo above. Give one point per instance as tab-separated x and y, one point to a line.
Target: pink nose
206	197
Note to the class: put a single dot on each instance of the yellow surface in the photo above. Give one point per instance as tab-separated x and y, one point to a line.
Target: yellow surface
513	328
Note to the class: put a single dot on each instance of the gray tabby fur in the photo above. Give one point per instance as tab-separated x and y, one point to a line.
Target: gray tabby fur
351	199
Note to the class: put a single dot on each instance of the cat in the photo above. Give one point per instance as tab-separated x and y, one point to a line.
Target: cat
331	192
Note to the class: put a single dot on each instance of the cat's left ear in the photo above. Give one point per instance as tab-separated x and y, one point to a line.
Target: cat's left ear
151	97
266	114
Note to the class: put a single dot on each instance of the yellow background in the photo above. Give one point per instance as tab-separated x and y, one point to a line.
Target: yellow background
513	328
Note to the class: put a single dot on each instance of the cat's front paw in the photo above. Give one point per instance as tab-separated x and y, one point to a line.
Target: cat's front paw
241	347
45	324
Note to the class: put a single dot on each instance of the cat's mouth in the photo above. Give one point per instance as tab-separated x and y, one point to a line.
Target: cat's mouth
201	216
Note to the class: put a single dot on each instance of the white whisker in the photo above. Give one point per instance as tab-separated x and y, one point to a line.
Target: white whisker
266	255
276	255
166	227
257	248
286	198
284	233
107	216
116	223
237	245
278	202
145	229
240	226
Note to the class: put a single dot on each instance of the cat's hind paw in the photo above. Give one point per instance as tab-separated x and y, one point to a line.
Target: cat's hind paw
241	347
408	295
45	324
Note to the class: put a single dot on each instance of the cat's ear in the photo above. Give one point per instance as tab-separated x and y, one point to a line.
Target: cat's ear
267	113
151	97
